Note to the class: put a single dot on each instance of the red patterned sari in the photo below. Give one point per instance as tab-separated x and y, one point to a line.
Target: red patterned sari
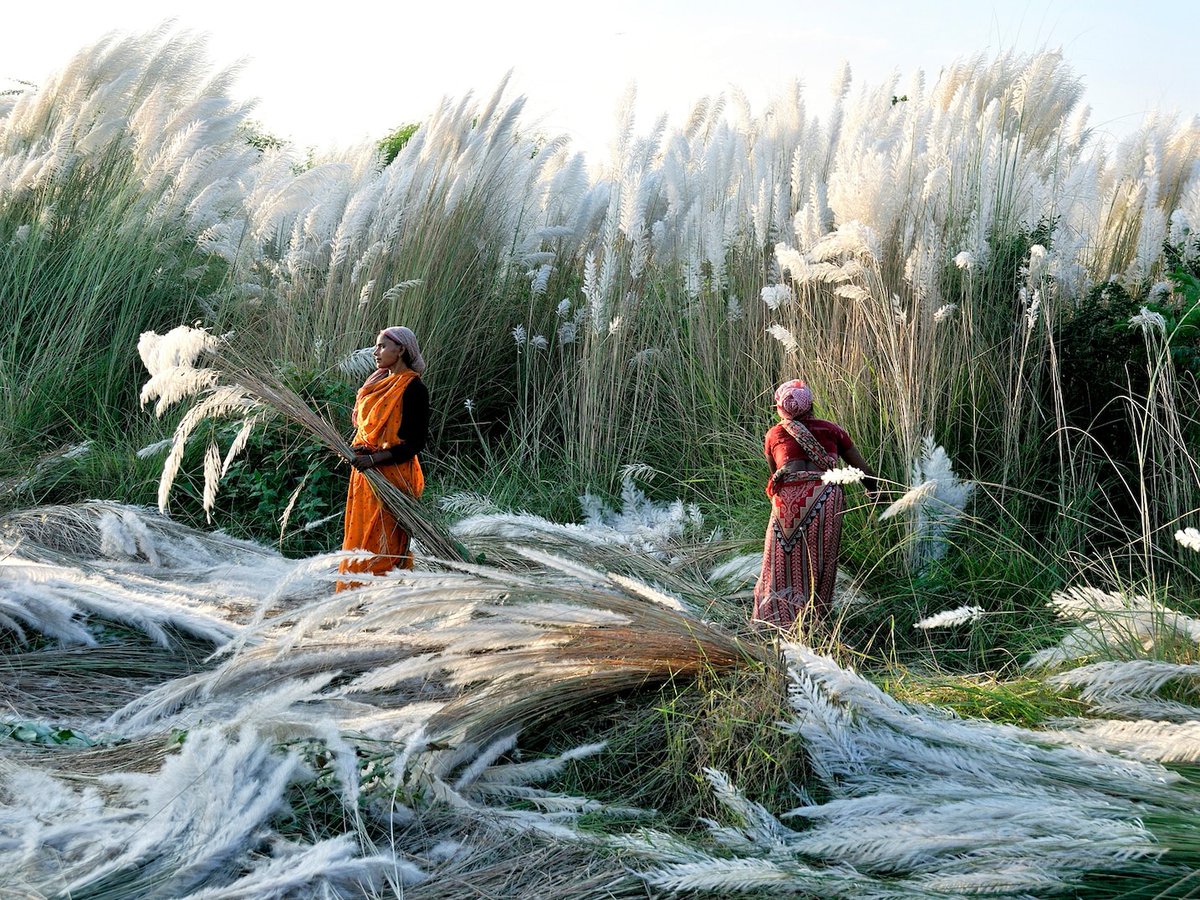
800	553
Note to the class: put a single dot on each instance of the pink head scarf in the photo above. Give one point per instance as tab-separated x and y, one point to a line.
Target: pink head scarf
793	400
408	342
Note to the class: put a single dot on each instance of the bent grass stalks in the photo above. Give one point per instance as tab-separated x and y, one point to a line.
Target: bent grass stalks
1115	623
99	173
474	653
915	810
466	657
281	685
1149	738
195	825
420	520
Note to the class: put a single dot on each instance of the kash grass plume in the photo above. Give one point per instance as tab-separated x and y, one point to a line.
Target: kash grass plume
958	616
1113	623
1189	537
911	498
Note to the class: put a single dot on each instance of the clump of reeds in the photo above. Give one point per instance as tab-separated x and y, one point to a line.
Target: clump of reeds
108	172
925	255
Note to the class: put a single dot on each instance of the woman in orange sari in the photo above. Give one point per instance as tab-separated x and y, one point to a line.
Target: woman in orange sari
391	419
800	556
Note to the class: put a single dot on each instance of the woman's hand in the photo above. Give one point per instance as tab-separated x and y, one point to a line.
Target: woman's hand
363	461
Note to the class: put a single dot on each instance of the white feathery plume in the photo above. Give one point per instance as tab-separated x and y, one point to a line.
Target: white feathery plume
943	312
849	239
212	478
393	293
154	449
333	863
914	803
286	515
1150	322
844	475
936	512
777	295
485	759
1112	623
911	498
945	619
1156	741
853	292
785	337
358	363
1189	537
637	589
740	570
1129	688
238	444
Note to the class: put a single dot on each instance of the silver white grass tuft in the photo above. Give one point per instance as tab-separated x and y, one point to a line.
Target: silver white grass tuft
1157	741
1189	537
845	475
194	826
1113	623
942	501
1130	688
925	805
958	616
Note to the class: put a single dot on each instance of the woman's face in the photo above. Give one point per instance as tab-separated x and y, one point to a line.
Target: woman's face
386	353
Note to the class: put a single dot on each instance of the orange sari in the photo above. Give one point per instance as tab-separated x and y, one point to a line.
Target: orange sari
378	410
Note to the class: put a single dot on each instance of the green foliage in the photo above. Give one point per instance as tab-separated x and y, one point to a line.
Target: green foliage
659	743
390	146
254	134
1101	357
77	286
1027	702
43	735
278	465
1182	317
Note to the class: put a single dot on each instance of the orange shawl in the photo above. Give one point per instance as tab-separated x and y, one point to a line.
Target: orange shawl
378	410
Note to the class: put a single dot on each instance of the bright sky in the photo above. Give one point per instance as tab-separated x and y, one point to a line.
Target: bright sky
351	70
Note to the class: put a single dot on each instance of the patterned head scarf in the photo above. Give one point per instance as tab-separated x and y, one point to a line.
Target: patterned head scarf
408	341
793	400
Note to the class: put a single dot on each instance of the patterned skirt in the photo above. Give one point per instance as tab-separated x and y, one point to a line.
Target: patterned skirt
800	554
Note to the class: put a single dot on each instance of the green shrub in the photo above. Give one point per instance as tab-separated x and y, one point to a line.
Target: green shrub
278	465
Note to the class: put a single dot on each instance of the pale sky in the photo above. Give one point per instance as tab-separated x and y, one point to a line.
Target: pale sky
350	71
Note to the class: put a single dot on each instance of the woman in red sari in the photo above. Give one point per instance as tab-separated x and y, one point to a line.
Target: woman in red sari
800	555
391	419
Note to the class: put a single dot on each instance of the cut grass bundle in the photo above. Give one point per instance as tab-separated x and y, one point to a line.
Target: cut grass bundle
466	656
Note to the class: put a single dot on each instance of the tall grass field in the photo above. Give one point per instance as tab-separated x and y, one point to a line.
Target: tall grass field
565	697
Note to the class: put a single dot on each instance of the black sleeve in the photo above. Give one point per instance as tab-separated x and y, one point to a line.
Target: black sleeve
414	423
